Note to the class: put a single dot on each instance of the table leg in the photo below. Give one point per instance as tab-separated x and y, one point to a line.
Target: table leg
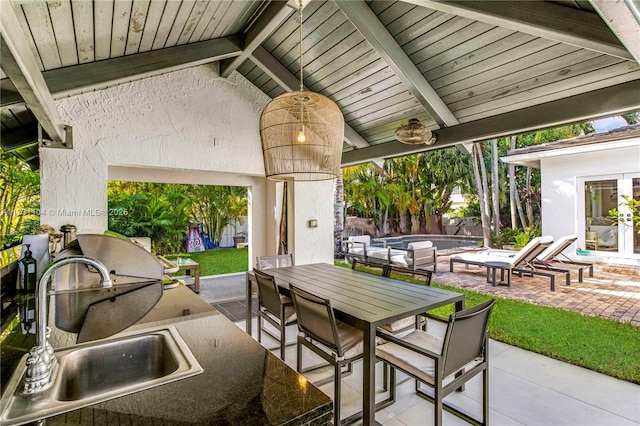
369	376
249	302
196	278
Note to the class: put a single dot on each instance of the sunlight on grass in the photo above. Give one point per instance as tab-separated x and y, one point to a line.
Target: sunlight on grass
219	261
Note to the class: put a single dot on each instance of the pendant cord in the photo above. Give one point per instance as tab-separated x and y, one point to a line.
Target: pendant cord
300	16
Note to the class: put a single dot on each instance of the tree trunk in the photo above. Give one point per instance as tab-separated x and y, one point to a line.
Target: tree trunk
402	225
338	214
495	188
523	219
477	158
529	205
512	188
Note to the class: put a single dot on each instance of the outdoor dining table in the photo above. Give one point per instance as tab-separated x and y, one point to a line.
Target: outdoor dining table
362	300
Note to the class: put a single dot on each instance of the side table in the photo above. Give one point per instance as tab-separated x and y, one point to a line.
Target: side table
188	265
492	267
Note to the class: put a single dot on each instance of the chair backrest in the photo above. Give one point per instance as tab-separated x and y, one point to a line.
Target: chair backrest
466	336
388	269
374	266
366	239
279	261
268	294
556	248
529	252
316	318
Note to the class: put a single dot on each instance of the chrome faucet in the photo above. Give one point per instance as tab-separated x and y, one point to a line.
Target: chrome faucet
42	364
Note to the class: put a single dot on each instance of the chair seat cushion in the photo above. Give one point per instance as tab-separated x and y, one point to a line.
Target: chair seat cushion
351	339
357	249
401	324
401	260
412	362
383	253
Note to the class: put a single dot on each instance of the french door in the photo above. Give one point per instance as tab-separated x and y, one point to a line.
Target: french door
608	219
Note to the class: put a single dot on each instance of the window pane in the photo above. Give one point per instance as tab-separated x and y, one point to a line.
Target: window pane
601	231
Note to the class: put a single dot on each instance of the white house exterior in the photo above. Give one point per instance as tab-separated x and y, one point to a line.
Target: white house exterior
582	179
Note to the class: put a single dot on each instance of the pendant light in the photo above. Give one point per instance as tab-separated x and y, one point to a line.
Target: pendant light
415	133
302	134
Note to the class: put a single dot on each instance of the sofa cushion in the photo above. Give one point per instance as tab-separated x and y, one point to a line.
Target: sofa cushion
360	239
419	244
401	260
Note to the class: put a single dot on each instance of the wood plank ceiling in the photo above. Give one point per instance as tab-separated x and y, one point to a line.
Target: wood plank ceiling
468	70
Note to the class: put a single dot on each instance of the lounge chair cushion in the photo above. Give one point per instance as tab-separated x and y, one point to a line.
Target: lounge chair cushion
401	324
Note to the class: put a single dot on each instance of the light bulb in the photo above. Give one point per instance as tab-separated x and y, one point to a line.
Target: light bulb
301	137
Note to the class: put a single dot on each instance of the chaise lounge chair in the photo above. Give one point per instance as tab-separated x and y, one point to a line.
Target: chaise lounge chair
554	255
552	258
522	262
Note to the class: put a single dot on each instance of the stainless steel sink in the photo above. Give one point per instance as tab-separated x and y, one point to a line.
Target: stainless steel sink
102	370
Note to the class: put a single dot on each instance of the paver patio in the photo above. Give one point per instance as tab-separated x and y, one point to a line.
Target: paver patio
612	292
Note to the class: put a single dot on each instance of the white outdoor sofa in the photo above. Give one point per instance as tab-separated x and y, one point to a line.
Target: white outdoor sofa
418	255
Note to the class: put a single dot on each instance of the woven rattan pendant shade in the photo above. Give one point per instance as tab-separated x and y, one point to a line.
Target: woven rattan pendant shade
302	134
321	122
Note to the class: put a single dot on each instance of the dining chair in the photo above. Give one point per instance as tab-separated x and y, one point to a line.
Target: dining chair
278	261
383	270
339	343
432	359
371	267
388	269
274	308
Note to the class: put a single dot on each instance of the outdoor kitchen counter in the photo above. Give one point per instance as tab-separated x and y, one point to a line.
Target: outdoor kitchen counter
242	382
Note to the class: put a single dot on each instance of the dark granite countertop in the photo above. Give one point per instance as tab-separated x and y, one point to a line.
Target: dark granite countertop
242	382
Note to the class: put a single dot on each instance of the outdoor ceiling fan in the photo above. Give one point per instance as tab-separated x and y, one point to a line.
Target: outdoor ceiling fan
415	133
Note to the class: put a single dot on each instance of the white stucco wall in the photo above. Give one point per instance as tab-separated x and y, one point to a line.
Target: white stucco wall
187	126
561	207
312	200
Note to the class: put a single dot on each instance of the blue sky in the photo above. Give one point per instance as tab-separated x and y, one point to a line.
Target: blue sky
608	123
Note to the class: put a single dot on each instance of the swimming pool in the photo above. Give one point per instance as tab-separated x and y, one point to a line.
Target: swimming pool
442	242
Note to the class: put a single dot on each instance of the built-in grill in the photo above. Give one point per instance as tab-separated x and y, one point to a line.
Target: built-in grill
83	307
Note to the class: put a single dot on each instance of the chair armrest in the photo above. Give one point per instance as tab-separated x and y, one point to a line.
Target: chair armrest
434	317
407	345
351	244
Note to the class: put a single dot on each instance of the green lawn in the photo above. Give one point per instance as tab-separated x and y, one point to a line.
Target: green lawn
219	261
602	345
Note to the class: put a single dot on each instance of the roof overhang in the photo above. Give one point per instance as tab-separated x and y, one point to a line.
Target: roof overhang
532	159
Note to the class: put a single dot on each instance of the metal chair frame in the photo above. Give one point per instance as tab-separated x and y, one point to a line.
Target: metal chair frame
267	310
457	334
334	354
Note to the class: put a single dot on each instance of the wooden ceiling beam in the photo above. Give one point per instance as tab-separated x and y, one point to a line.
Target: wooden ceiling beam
269	20
623	17
19	64
606	102
368	24
101	74
538	18
281	75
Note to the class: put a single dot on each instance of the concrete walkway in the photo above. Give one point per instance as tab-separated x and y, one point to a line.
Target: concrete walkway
525	388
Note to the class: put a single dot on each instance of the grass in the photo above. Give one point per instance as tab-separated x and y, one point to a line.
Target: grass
219	261
606	346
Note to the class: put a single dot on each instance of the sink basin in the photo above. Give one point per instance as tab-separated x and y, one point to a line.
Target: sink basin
102	370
